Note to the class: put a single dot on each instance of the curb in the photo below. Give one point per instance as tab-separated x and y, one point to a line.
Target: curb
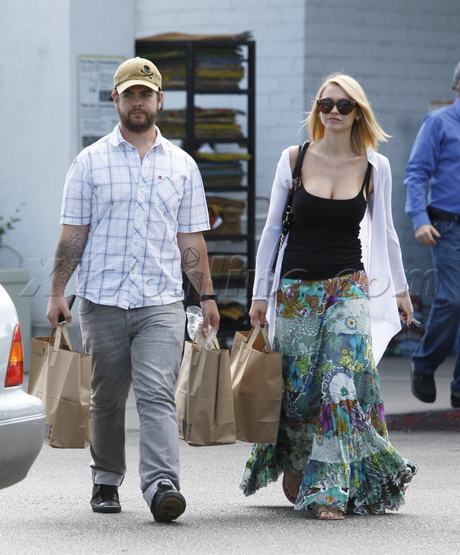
429	421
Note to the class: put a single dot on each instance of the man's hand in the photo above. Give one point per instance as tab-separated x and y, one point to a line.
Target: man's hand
210	315
58	305
425	235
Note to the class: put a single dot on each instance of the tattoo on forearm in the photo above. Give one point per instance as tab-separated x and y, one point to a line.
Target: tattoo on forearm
196	279
191	257
68	256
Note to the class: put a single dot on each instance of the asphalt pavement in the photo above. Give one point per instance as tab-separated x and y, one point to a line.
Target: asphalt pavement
49	511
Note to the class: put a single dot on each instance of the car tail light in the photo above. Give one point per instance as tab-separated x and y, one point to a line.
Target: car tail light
15	372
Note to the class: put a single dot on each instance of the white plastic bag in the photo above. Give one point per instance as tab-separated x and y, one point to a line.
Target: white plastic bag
194	324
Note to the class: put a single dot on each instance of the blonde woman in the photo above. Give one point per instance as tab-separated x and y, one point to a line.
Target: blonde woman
339	295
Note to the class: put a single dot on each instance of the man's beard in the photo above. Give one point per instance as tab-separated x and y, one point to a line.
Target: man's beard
136	126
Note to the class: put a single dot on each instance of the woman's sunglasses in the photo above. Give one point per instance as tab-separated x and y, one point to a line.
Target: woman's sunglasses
344	107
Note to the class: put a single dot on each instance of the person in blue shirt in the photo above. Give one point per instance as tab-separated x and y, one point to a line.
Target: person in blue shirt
435	159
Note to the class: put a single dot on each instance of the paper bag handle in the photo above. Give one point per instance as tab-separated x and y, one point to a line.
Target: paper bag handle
199	340
61	333
250	340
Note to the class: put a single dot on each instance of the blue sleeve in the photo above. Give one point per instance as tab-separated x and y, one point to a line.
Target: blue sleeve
421	167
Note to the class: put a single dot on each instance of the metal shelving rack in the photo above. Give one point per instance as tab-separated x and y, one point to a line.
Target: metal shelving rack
244	243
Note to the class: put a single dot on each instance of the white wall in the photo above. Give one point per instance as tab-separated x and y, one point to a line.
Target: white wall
35	115
404	54
41	42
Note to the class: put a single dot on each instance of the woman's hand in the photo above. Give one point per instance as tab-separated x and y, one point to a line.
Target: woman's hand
258	312
406	310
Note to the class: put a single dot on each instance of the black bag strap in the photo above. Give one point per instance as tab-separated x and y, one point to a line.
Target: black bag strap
296	181
367	180
298	165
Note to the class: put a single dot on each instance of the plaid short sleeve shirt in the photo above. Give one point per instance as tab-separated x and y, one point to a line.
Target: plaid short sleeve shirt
134	210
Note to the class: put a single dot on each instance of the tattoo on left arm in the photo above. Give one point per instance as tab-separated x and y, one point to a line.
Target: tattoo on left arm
191	258
68	256
196	279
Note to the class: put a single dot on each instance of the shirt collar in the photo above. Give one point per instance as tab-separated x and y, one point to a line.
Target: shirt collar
116	138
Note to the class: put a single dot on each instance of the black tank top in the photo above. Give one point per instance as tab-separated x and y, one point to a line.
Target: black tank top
324	235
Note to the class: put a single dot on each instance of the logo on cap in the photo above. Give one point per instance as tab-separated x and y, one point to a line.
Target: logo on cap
147	72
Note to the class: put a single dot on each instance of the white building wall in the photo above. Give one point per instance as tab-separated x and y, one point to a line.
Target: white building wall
404	54
40	45
35	114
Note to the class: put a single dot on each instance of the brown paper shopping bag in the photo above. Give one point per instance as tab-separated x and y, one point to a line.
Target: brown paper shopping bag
61	378
257	386
204	400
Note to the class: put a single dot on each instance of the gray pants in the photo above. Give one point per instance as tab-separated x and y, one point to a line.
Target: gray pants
142	346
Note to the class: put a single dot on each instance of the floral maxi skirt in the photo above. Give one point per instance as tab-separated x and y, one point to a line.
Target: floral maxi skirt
333	433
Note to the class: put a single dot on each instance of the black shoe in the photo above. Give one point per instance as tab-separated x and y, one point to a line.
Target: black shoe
422	385
168	504
105	499
455	400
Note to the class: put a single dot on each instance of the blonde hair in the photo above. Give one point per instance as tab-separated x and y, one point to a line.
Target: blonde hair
366	131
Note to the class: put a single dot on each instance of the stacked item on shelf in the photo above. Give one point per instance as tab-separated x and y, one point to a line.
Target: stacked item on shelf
231	310
229	275
228	270
221	169
210	123
171	65
172	123
217	123
224	215
216	67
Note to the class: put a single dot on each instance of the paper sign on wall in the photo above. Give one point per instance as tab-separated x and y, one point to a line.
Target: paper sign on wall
97	115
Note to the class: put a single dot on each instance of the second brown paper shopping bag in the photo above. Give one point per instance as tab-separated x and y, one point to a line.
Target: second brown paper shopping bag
257	386
204	401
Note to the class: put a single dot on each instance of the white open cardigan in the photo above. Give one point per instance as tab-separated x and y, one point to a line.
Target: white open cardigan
381	251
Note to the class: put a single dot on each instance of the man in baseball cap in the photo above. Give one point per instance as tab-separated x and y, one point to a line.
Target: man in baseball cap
137	71
137	97
133	213
435	159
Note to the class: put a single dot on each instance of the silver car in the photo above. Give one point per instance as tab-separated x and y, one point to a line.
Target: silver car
22	419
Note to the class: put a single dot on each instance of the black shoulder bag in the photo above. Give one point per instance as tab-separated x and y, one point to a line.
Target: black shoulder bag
287	215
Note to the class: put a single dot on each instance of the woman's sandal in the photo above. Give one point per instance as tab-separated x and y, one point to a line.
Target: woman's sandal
291	484
323	512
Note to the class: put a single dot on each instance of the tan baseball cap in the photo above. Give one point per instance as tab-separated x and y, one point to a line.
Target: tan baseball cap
137	71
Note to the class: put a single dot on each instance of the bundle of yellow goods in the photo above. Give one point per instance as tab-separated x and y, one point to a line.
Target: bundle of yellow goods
222	264
231	310
221	169
228	270
225	215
